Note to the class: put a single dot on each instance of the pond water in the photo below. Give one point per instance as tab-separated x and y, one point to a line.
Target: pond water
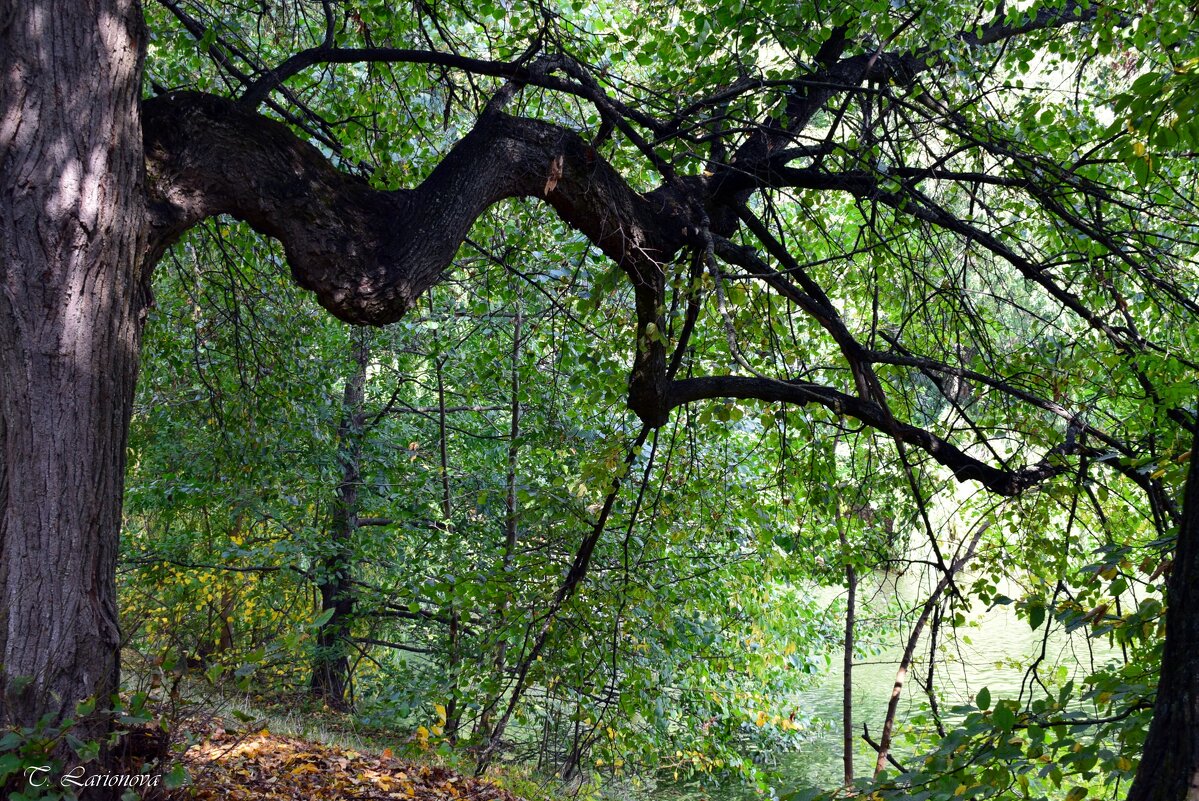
992	650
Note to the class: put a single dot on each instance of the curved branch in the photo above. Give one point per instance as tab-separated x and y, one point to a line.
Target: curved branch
963	466
368	254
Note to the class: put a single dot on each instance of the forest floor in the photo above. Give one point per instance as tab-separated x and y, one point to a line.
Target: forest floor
274	767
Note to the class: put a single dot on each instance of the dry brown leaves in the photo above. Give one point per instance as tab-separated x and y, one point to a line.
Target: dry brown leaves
274	768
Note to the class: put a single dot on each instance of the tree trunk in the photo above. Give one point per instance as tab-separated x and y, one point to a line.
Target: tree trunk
1169	769
847	733
331	664
72	293
454	644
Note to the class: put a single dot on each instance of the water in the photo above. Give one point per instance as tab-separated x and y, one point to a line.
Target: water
993	650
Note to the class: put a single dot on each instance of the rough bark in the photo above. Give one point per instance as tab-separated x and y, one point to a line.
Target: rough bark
369	254
1169	769
72	292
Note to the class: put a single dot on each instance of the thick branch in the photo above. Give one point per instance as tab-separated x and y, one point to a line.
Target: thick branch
368	254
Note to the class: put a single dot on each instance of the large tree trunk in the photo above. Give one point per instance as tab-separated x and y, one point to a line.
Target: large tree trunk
71	297
1169	769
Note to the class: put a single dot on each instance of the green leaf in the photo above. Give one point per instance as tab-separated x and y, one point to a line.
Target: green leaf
1004	715
9	764
1140	170
1036	616
983	699
176	777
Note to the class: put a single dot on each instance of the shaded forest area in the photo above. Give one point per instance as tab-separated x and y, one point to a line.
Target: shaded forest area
557	392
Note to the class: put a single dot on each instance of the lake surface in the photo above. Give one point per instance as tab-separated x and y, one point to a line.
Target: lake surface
992	650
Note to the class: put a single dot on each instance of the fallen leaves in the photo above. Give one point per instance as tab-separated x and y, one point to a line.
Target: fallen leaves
276	768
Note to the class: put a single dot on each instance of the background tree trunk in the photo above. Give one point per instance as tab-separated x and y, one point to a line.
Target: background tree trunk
847	731
1169	769
71	300
331	665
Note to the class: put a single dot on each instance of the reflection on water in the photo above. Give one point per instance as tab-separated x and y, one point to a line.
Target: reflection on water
993	649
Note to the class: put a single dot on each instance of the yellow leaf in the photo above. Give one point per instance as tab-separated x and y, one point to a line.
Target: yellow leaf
441	714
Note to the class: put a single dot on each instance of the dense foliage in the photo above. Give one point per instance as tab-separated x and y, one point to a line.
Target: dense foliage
931	312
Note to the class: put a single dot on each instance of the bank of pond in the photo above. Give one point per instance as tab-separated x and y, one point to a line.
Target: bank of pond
988	649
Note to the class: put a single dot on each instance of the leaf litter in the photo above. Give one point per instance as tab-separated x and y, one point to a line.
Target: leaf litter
271	767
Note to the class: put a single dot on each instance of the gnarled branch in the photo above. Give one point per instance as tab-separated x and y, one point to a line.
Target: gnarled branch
367	253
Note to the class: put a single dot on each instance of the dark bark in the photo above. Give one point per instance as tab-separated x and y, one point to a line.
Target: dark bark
1169	769
335	576
369	254
72	293
1008	482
